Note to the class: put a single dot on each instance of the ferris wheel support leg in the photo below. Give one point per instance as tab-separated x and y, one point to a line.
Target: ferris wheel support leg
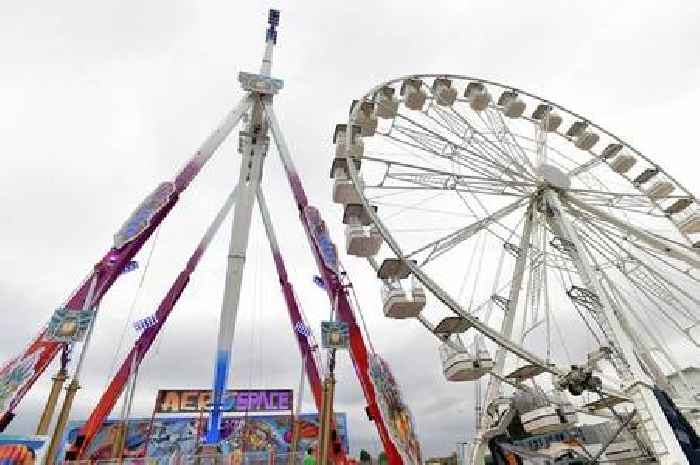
494	384
509	318
653	420
253	150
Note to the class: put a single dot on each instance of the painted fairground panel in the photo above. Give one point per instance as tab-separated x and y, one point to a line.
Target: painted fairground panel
179	435
232	400
22	450
395	412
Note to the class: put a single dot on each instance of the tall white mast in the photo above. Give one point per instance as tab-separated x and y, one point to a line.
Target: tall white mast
253	145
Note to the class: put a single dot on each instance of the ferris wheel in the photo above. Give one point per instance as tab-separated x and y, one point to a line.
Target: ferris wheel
528	239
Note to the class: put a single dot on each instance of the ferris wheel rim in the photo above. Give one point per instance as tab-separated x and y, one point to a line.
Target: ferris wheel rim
427	281
610	134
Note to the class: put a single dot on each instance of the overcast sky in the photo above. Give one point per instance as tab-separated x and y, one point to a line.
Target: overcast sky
100	101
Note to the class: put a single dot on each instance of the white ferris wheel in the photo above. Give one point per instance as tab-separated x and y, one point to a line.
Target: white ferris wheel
529	240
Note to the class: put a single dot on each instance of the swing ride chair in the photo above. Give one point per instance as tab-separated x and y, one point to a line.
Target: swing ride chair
502	215
257	107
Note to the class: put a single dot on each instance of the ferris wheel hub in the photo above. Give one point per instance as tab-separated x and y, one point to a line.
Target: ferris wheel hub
553	176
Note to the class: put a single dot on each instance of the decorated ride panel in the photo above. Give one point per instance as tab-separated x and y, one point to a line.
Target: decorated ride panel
335	335
69	325
22	450
177	436
141	218
319	233
396	414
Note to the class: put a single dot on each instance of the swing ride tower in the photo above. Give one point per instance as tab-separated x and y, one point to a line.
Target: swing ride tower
256	109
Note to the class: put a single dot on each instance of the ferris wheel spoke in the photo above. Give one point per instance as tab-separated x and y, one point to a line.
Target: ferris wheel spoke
519	148
478	139
482	143
656	288
477	145
446	243
431	177
501	131
465	133
669	247
449	154
651	253
434	142
630	201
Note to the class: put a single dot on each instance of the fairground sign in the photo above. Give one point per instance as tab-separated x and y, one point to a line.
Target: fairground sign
234	400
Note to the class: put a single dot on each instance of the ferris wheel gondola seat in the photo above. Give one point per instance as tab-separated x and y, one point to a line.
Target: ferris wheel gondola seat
549	119
623	163
387	103
365	117
458	366
362	241
356	148
550	122
691	225
344	191
611	151
660	189
512	105
645	176
402	298
413	94
679	206
478	96
549	419
586	140
445	94
362	238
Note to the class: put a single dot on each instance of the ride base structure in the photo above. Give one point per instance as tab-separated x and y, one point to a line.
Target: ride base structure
254	140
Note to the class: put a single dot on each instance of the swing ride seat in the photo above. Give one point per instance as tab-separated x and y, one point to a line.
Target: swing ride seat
462	366
414	96
445	94
387	104
512	105
477	95
400	303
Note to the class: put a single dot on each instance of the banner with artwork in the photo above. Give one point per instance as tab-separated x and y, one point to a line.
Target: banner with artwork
22	450
395	412
179	435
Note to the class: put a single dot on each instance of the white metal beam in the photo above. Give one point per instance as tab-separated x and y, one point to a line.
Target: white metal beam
663	440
